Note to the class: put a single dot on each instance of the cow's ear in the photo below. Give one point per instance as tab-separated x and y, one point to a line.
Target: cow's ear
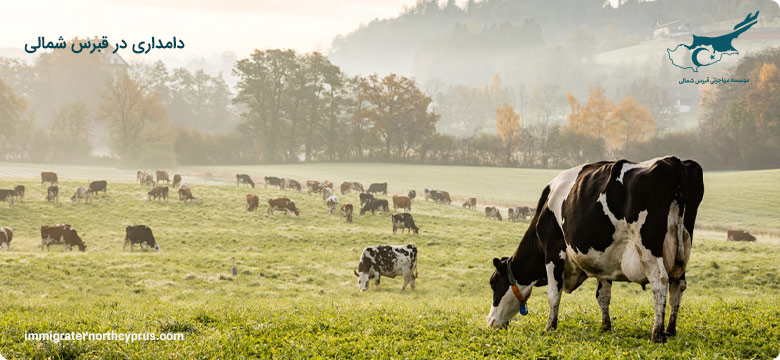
497	264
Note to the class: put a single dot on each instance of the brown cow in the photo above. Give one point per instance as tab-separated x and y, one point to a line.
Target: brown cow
346	212
345	186
163	176
739	235
185	194
147	180
471	203
252	201
160	192
176	180
48	176
7	195
357	186
6	235
313	186
284	204
327	184
140	176
403	202
61	234
19	191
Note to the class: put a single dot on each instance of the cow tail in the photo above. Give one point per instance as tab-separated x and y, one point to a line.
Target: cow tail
681	196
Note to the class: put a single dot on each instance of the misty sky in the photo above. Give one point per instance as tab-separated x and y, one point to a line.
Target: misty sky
207	27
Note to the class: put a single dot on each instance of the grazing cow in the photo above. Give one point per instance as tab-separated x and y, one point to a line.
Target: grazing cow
177	180
81	193
332	202
148	180
141	235
98	185
53	194
244	179
326	193
19	191
313	186
373	205
162	176
387	260
739	235
365	197
345	187
292	184
612	220
185	193
8	196
376	188
252	201
470	203
403	202
61	234
412	194
140	176
404	221
6	235
159	192
273	181
283	204
346	212
520	213
48	177
438	196
356	186
327	184
492	213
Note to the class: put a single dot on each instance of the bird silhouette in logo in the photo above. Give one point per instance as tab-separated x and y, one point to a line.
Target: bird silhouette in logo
707	50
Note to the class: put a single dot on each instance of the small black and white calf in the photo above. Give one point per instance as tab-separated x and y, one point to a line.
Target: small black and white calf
615	221
387	260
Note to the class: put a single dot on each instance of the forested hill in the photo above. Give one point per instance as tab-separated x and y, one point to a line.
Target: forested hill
524	38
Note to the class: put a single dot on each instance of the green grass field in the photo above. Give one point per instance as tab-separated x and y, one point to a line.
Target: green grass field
295	295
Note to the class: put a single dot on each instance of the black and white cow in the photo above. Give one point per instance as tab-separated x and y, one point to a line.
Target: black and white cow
365	197
375	205
140	234
404	221
615	221
387	260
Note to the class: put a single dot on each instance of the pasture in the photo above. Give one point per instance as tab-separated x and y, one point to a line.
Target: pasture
295	295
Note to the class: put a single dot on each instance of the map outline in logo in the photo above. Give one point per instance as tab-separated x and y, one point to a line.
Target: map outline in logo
716	46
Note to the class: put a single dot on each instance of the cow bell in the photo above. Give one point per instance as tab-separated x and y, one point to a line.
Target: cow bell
523	309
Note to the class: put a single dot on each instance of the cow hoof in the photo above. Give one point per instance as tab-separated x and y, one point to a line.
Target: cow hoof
671	332
659	337
606	327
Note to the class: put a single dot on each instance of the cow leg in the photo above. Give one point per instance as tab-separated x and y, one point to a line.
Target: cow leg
376	281
407	275
676	288
603	295
656	274
554	287
124	246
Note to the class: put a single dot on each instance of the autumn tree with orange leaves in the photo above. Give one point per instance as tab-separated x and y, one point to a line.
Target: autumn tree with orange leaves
508	128
617	124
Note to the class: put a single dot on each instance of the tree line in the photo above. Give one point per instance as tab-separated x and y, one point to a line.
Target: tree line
291	107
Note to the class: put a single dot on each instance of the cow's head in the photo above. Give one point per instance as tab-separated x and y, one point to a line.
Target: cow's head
416	230
363	279
294	209
77	240
509	296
